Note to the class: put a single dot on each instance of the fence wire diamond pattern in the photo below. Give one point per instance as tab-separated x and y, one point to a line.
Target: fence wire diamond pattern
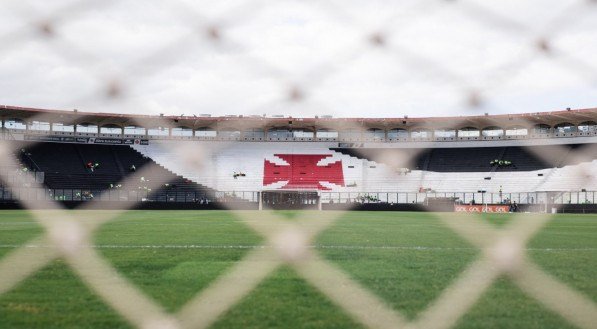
68	234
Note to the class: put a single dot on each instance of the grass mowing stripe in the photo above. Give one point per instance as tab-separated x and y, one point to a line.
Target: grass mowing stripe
194	246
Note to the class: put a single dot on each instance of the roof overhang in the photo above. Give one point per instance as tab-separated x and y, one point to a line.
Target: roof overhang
552	118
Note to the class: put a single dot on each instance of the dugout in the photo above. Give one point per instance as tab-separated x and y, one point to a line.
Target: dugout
289	199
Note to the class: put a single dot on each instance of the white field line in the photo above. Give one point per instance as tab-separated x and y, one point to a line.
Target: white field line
346	247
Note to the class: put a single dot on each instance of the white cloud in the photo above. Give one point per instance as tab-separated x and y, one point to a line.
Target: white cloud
430	56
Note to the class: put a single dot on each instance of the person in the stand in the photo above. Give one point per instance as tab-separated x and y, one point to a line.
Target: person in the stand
90	166
133	168
513	207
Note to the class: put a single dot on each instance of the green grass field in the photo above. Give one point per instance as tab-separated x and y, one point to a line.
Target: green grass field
407	259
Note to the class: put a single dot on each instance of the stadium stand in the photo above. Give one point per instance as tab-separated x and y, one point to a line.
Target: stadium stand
449	169
237	158
308	165
65	167
473	159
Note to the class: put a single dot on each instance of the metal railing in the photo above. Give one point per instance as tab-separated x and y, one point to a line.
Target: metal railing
344	139
186	196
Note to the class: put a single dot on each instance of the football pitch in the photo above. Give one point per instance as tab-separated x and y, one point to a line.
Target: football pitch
405	259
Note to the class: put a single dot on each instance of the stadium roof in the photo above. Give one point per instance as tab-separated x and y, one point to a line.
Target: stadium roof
573	116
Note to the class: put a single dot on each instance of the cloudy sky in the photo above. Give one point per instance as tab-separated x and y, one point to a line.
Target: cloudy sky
302	58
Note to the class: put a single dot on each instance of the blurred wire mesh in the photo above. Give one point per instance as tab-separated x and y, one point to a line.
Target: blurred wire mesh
298	58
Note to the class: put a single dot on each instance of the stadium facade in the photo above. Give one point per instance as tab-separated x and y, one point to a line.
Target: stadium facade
535	160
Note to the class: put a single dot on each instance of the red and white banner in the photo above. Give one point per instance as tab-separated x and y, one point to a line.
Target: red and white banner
481	208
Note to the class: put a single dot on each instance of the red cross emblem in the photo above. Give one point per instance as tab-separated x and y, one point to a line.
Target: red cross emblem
302	171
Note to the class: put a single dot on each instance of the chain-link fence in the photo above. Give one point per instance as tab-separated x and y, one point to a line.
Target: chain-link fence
369	51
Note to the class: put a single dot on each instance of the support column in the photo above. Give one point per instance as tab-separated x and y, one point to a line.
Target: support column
319	205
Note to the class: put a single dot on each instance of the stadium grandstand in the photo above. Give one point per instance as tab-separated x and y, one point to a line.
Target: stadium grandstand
537	161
